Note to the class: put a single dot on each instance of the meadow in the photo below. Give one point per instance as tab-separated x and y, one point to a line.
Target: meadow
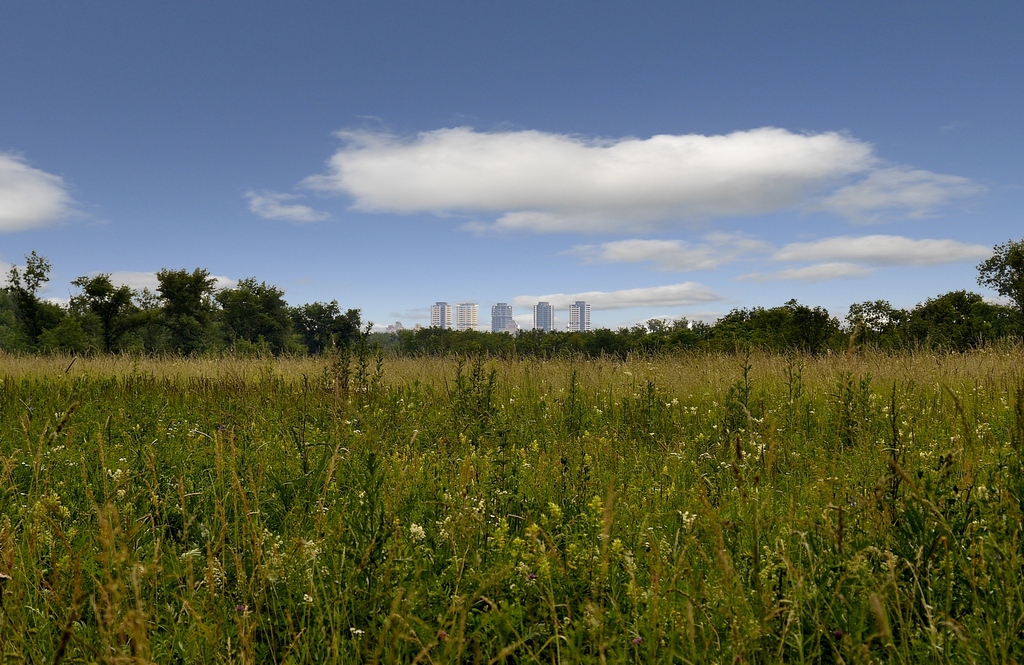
675	509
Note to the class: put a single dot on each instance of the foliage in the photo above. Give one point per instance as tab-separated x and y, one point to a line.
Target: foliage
322	326
111	305
187	307
792	326
254	311
878	324
1004	272
23	285
958	320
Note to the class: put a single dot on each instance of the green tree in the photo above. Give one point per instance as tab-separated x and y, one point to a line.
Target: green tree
187	307
68	336
322	325
111	305
12	333
1004	272
791	326
810	329
254	311
958	320
34	314
877	323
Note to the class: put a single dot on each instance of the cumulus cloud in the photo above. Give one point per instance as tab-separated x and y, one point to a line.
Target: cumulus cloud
814	273
671	295
30	198
148	280
543	182
883	250
672	255
913	193
273	205
539	181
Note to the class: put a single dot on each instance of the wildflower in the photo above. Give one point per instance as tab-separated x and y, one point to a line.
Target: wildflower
417	532
243	609
356	632
307	598
637	640
441	634
310	550
837	633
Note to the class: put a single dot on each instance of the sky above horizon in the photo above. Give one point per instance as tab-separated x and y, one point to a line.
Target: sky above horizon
658	159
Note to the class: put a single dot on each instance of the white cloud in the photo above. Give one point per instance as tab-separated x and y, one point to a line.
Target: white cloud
536	181
815	273
271	205
30	198
148	280
883	250
672	255
543	182
906	192
671	295
135	280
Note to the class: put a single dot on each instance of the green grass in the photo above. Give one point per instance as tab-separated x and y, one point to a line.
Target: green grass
686	509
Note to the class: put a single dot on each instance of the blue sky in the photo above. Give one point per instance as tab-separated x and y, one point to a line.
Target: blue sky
657	159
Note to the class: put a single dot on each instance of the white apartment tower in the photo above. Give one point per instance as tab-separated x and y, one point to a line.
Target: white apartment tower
466	316
440	315
543	316
501	319
579	317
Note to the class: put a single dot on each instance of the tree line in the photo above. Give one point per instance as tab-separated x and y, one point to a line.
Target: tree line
185	315
188	315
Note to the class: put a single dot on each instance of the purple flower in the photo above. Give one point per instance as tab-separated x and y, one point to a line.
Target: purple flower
241	608
531	576
441	634
637	640
837	633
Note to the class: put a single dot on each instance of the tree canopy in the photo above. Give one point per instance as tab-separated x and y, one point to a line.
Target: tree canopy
1004	272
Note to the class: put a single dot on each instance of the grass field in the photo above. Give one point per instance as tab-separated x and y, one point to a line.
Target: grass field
670	510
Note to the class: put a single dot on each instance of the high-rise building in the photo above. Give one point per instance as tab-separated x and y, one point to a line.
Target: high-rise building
543	316
501	319
579	317
466	316
440	315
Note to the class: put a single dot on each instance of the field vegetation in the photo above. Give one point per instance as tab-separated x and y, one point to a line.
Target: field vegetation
688	508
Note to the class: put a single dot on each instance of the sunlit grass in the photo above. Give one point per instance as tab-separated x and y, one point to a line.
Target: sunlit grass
697	508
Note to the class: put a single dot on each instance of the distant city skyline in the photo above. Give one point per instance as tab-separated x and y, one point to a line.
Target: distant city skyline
465	316
440	315
502	319
579	317
543	316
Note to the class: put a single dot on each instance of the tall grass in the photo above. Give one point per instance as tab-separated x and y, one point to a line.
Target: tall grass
687	509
